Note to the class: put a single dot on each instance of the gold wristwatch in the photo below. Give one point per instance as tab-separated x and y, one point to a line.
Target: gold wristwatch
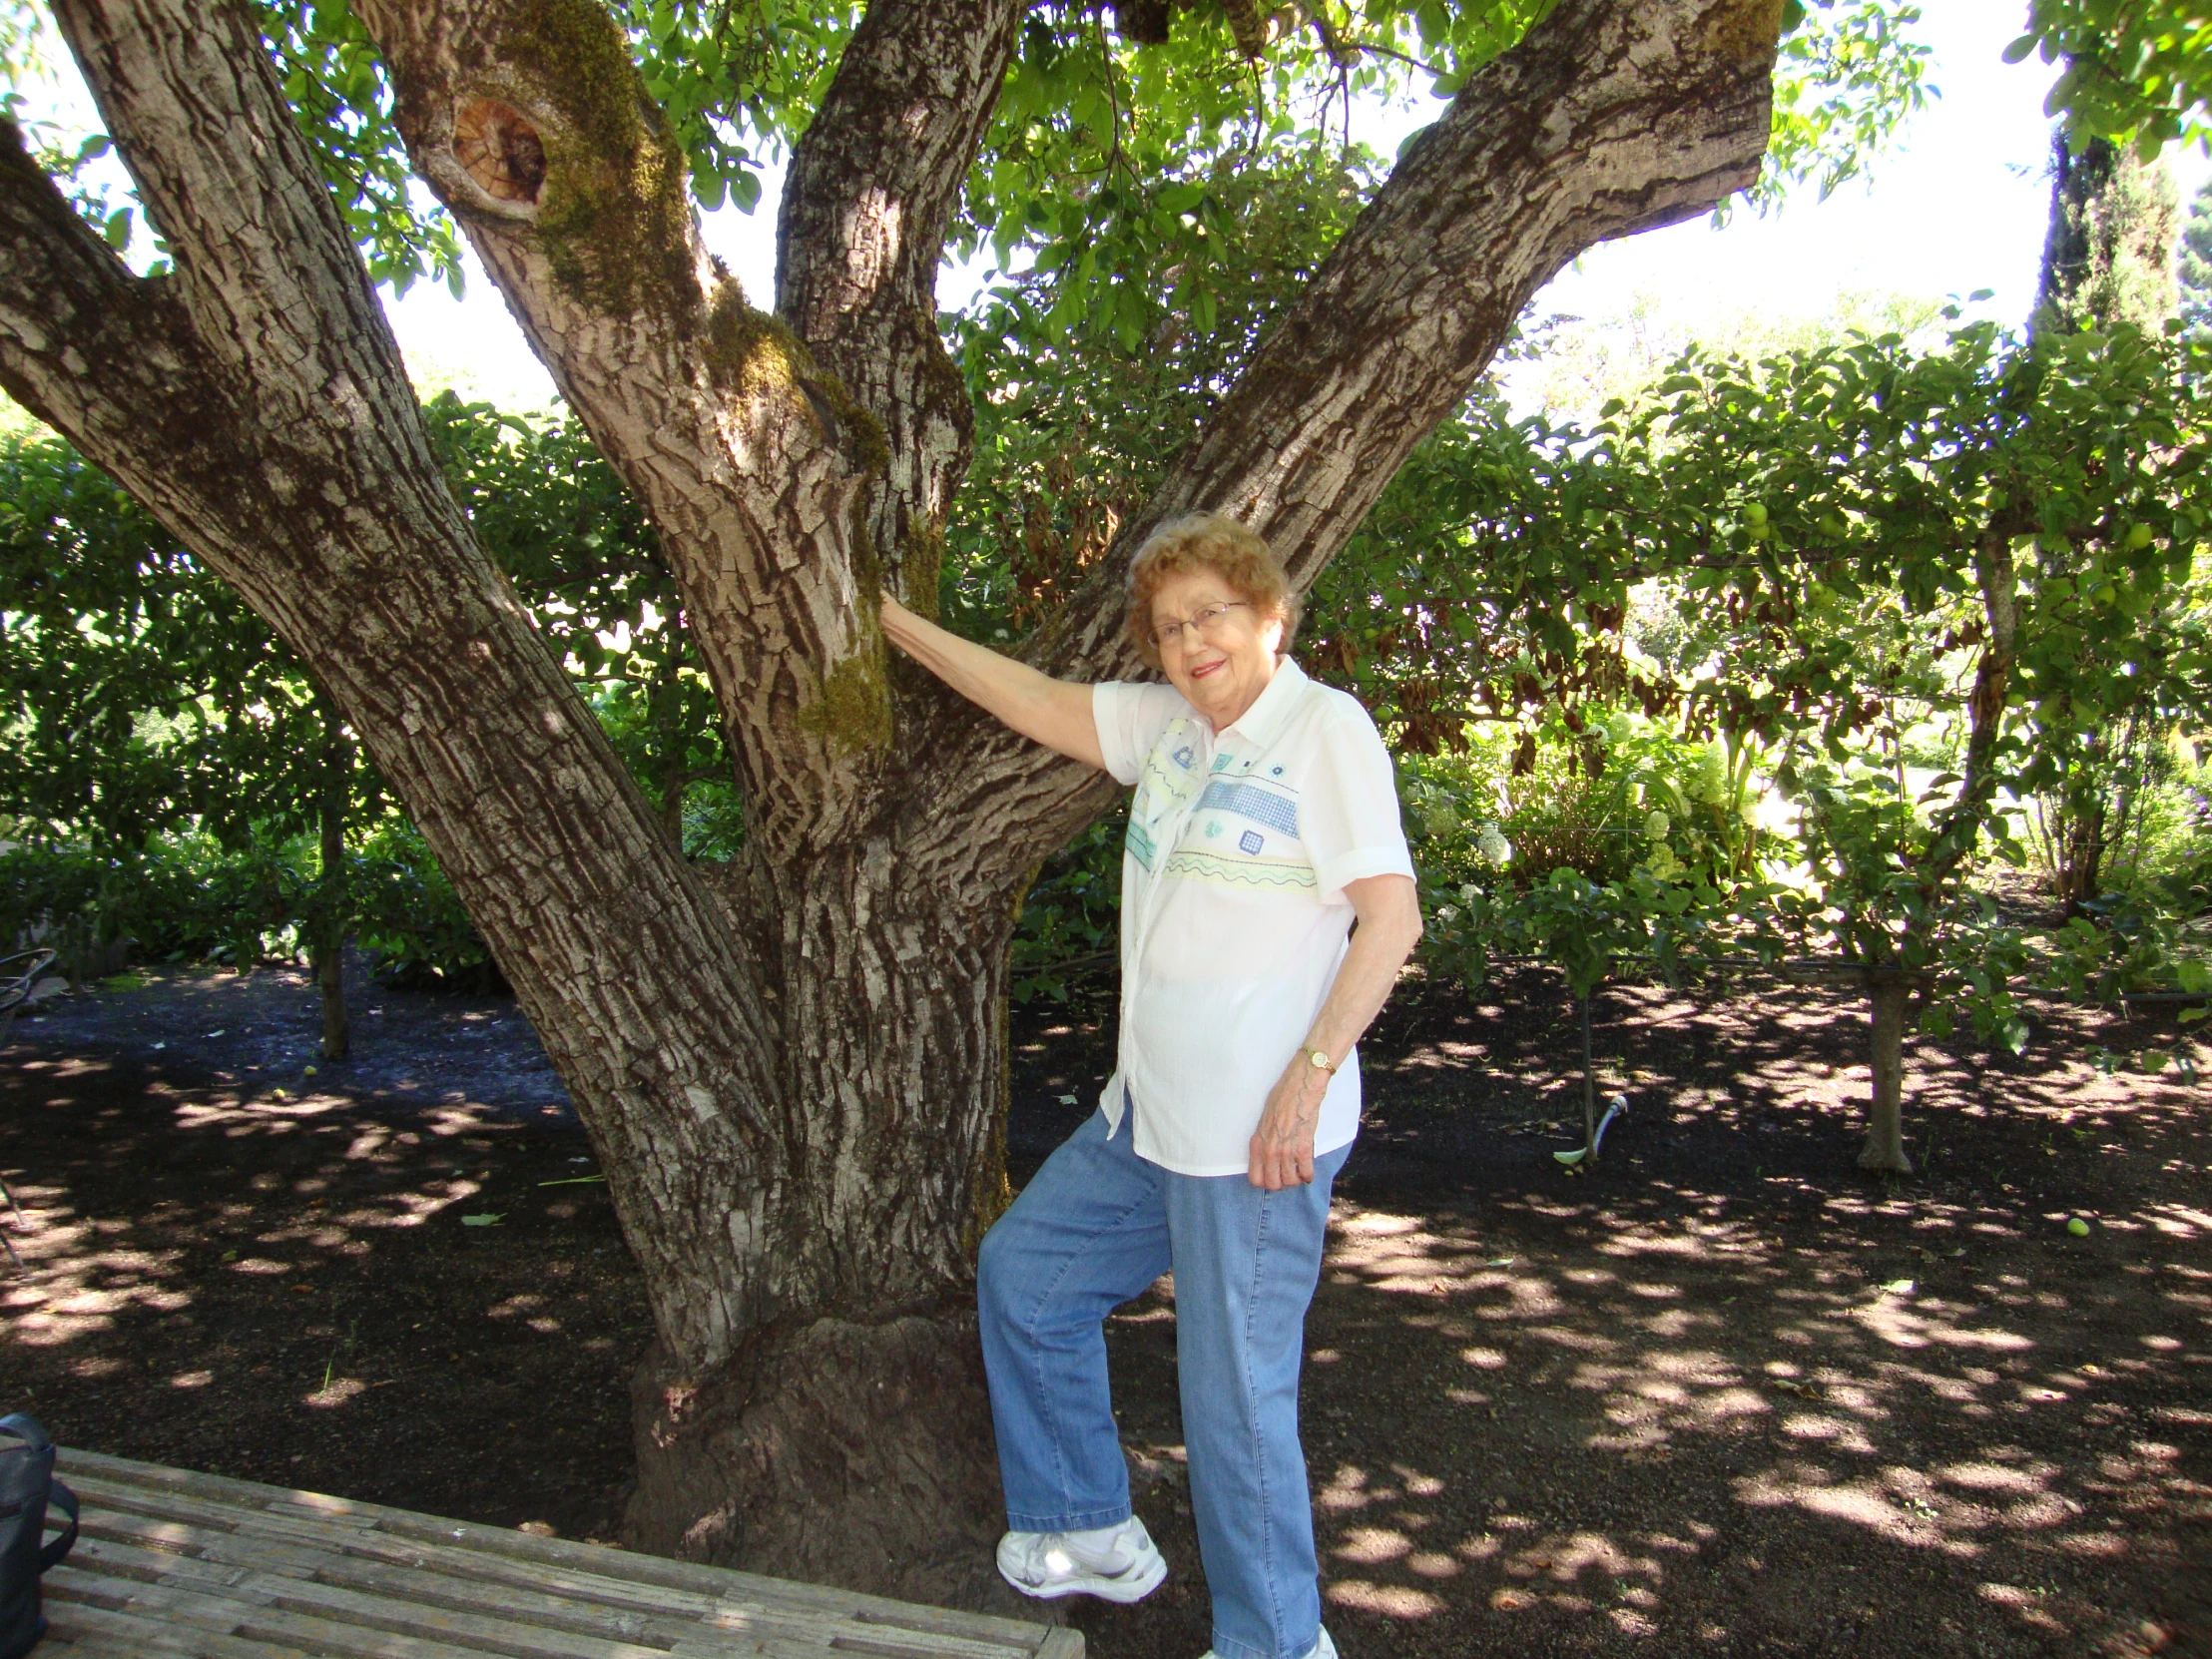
1320	1058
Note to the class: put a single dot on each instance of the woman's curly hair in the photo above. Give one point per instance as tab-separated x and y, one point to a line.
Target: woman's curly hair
1215	542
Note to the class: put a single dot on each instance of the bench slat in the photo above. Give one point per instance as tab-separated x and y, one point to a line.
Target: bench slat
460	1579
233	1569
82	1631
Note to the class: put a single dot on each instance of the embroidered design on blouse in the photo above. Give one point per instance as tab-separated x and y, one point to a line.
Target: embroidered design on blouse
1250	801
1162	789
1269	873
1138	843
1252	841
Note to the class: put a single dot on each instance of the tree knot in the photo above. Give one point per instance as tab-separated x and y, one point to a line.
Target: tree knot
498	148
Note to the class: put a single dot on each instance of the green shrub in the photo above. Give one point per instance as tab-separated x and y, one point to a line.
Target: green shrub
1071	916
181	898
187	899
1616	799
409	918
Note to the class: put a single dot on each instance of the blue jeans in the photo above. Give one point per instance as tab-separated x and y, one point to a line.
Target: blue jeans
1097	1226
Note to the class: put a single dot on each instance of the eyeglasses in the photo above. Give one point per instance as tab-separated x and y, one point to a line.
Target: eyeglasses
1207	619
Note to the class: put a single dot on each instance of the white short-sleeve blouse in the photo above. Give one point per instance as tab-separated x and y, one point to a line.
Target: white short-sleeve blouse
1233	912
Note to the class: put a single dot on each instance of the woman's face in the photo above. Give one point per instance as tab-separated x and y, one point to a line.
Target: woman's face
1220	664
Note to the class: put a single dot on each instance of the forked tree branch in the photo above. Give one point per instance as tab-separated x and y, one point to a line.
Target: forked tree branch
531	122
253	401
859	238
1611	117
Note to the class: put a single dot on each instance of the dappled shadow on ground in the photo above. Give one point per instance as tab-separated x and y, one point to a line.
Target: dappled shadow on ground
1728	1394
260	1032
283	1286
1725	1395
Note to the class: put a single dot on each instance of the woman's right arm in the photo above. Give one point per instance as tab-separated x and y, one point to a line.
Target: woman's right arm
1055	713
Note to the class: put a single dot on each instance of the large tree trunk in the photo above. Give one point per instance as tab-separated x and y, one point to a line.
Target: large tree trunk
852	1443
793	1074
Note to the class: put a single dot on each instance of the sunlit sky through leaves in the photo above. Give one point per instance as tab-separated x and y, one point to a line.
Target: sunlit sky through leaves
1958	204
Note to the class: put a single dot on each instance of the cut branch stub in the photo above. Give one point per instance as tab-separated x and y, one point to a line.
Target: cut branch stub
500	150
490	163
1247	25
1142	22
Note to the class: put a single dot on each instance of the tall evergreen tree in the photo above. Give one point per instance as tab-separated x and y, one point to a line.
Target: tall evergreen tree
2109	255
2108	261
2196	260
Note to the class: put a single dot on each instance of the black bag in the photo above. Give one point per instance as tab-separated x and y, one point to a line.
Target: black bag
27	1485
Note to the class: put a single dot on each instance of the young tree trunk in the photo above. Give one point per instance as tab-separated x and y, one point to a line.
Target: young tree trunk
1885	1144
794	1075
333	894
1589	1087
2082	806
1953	836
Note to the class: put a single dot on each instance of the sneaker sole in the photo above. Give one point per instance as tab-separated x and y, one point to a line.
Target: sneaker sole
1141	1583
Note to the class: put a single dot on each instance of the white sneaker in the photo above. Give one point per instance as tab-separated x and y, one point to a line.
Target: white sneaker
1118	1563
1322	1648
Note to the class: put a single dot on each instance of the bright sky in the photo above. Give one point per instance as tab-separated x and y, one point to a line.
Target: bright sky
1959	205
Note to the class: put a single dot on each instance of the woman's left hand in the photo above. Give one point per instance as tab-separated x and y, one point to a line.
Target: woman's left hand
1283	1145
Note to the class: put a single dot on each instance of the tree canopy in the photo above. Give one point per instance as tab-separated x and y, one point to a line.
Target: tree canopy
1116	132
2137	70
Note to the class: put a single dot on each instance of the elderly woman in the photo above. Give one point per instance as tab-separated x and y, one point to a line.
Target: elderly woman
1264	822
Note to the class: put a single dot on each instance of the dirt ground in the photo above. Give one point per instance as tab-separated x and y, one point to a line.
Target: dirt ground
1725	1395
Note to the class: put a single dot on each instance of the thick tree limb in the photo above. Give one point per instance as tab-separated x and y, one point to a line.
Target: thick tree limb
529	120
1612	117
254	402
859	238
755	461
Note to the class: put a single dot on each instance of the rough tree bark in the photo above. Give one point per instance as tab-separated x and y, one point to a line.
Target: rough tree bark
794	1077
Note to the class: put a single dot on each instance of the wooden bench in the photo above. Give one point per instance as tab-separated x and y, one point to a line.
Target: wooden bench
178	1564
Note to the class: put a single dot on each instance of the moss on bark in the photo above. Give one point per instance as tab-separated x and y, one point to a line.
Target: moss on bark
616	228
1745	32
756	353
853	711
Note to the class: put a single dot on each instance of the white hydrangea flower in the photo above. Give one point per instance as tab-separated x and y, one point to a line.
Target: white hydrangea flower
1467	894
1657	823
1490	842
1446	914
